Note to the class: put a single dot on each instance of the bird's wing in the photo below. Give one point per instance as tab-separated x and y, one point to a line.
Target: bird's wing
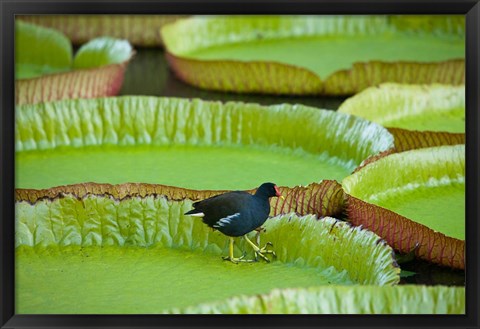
200	205
224	204
228	206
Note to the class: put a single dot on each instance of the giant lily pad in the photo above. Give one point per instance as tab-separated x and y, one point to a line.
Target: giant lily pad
188	143
334	55
342	300
422	203
92	252
46	70
139	30
417	115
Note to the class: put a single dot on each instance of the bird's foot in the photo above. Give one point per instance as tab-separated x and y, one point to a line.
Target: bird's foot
263	251
240	259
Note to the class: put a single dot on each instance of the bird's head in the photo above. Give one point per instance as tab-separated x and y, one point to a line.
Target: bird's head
269	190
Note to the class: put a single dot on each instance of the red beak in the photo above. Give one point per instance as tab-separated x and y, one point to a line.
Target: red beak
278	192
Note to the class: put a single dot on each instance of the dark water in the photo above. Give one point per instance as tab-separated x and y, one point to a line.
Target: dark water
148	74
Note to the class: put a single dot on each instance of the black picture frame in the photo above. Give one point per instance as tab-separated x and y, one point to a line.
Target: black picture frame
10	8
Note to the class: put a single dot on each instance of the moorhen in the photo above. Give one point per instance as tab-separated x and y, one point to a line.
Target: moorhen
237	213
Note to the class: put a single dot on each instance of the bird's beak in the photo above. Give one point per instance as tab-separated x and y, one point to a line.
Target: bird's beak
278	193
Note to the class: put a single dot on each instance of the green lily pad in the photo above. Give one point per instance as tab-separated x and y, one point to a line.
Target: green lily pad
342	300
415	107
102	51
313	55
46	69
417	115
193	144
140	30
40	51
94	253
422	203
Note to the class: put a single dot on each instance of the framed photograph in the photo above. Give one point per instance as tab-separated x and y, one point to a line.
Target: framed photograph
220	164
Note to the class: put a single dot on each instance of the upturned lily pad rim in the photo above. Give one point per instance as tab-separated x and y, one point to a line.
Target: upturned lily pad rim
285	119
404	299
367	174
420	98
81	85
406	140
393	101
325	198
446	164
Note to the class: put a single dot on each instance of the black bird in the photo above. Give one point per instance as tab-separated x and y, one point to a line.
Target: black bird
236	214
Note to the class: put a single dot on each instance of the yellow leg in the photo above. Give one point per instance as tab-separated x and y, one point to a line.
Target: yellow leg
257	235
230	248
261	252
233	259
